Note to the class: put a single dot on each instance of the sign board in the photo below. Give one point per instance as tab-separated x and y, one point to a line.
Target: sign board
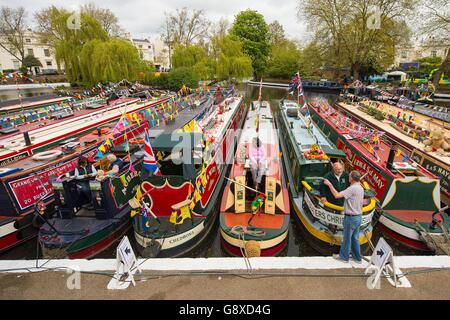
381	253
127	265
382	260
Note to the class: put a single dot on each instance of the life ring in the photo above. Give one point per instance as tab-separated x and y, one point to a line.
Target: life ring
136	141
12	144
47	155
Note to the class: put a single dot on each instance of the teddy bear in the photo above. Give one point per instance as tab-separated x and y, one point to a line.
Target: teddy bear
438	142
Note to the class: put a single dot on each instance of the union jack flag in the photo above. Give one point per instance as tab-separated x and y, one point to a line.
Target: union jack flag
150	163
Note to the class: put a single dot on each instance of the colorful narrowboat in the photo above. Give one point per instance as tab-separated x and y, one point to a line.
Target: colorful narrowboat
254	213
77	232
25	170
307	157
176	208
408	194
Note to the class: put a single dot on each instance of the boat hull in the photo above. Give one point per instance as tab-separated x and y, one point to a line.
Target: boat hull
322	241
269	247
181	243
89	246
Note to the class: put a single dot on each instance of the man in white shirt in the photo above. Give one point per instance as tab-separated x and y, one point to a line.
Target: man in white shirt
353	205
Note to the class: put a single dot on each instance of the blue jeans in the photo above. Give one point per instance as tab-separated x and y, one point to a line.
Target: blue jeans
351	238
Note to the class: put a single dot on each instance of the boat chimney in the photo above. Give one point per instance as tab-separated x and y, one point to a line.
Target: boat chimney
27	139
391	157
291	124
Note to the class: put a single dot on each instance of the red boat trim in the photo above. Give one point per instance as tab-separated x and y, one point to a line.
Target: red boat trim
269	252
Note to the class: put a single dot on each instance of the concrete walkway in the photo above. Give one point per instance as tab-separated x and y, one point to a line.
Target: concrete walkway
314	278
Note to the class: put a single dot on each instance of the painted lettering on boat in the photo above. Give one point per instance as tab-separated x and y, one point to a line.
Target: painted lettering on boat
373	178
31	188
14	158
184	236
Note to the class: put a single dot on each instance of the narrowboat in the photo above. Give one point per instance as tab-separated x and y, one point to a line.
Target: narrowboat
408	194
254	213
408	130
24	177
77	232
307	157
175	209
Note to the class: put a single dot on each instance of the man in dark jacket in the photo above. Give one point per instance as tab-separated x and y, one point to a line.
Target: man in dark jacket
339	179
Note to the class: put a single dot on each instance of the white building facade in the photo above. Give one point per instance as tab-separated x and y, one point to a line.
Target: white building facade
33	46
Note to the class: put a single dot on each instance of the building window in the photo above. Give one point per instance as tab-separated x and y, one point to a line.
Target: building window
30	52
16	64
48	63
404	54
140	46
47	52
149	47
433	53
28	40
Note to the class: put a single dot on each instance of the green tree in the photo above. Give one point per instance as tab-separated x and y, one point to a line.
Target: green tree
31	61
187	55
229	59
111	60
284	60
253	33
182	76
356	31
276	33
311	60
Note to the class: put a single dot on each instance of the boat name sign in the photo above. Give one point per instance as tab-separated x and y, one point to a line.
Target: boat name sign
333	218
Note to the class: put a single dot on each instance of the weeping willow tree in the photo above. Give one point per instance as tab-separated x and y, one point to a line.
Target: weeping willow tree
88	54
111	60
71	41
230	60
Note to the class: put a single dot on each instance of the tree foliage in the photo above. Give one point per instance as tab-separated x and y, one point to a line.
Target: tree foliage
31	61
106	17
252	31
356	31
12	31
229	59
284	60
111	60
182	76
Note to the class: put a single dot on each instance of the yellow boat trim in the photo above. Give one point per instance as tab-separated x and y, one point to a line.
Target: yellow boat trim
321	235
330	205
264	244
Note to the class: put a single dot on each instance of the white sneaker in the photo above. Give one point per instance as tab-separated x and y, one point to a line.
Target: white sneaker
338	257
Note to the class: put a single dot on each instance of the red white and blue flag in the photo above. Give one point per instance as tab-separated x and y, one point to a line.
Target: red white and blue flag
150	163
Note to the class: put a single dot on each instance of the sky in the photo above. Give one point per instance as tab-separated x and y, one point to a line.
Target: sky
143	18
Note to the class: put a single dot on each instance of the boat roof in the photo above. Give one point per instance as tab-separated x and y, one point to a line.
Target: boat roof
305	137
387	128
382	153
30	104
266	133
28	163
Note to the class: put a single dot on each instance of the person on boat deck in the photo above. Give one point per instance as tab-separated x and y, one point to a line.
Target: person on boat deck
353	205
258	155
83	173
339	178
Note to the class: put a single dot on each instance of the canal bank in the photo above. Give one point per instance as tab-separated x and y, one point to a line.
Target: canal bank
224	278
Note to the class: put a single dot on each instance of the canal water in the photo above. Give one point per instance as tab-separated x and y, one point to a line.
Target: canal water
211	247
